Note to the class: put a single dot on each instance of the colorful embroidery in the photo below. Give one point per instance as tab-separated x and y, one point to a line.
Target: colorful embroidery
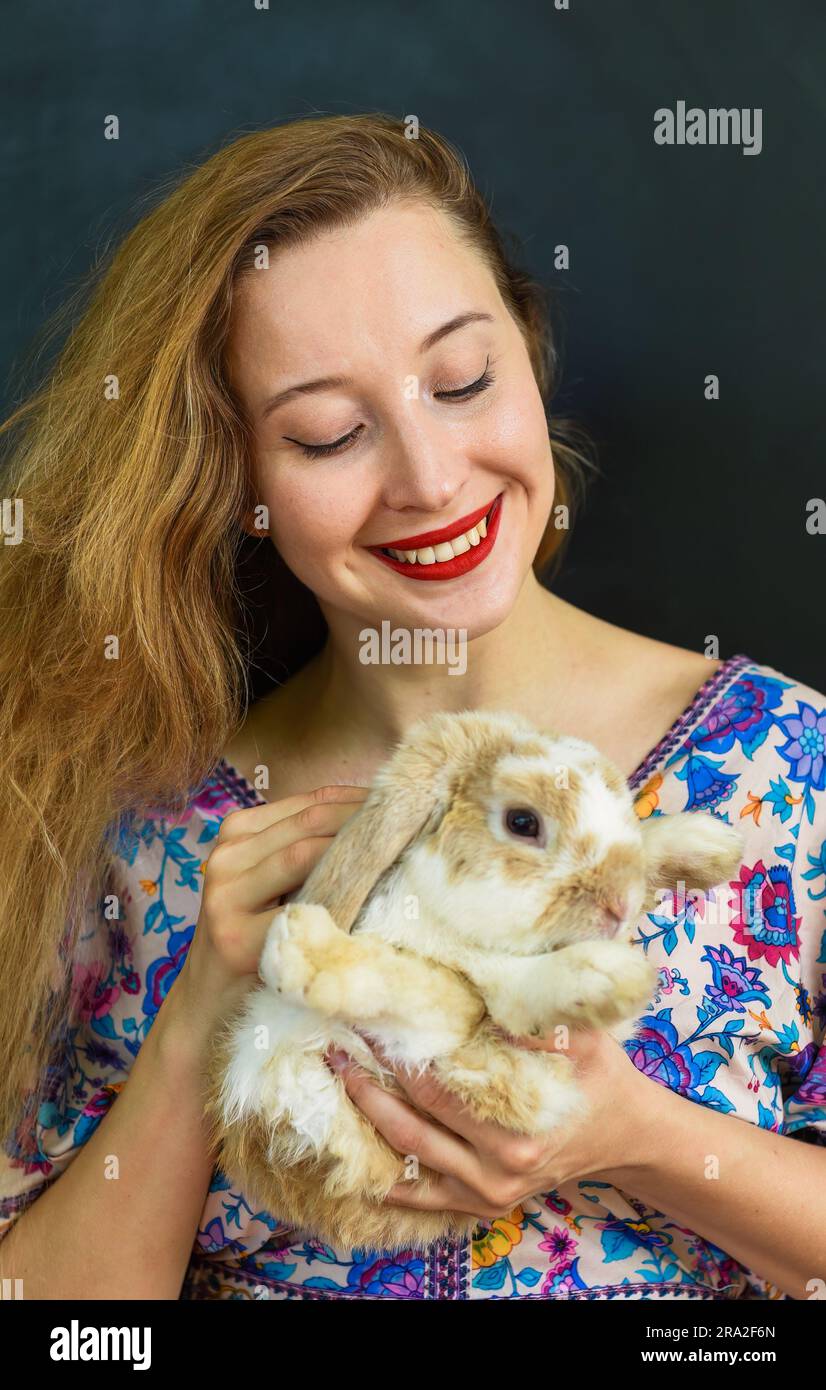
737	1024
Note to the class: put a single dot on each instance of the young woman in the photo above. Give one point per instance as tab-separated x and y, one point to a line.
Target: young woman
317	338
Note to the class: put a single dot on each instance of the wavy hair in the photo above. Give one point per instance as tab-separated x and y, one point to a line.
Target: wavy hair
130	605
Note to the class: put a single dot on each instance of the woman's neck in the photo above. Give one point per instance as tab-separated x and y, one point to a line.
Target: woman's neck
562	668
527	664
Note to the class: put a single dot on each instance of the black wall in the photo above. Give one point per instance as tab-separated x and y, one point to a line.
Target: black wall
685	261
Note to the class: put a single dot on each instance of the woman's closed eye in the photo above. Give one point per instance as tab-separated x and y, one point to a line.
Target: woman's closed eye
463	392
460	393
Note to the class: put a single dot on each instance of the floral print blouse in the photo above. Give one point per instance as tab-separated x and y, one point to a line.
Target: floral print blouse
736	1023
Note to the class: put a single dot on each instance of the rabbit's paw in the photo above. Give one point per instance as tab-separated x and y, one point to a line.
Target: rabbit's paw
302	940
607	982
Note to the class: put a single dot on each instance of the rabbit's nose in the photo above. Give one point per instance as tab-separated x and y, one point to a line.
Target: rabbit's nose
611	916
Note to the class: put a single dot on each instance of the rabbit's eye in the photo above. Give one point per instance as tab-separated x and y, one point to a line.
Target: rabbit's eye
520	821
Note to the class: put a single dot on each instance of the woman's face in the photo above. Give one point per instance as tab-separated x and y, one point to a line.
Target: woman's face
375	422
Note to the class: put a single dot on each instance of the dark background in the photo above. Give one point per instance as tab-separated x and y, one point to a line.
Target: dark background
684	260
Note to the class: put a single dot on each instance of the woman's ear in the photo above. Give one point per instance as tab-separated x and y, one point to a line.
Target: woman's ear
370	842
692	848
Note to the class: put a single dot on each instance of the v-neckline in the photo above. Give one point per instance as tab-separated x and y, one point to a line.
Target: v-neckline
700	702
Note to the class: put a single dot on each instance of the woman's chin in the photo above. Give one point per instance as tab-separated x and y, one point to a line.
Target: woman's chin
458	607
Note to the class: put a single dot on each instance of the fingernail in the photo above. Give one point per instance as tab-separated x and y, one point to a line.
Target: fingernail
339	1061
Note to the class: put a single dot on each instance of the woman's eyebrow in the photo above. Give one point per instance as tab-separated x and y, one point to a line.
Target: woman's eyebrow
452	325
325	383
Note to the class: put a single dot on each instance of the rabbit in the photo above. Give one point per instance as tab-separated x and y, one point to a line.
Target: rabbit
487	889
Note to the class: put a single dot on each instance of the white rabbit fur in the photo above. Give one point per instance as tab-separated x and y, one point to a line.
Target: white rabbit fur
432	927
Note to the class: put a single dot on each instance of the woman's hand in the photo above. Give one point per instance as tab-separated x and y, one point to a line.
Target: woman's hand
486	1170
260	854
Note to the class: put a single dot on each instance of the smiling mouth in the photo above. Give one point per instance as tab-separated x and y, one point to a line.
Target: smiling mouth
449	552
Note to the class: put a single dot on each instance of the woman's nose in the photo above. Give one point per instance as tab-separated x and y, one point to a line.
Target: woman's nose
422	490
423	471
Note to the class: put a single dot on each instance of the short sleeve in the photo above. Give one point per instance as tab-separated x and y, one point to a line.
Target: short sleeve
804	1053
132	943
798	1011
85	1072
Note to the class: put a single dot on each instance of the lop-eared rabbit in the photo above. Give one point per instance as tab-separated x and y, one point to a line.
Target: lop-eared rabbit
489	885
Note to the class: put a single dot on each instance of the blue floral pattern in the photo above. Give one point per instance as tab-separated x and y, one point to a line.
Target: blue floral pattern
736	1024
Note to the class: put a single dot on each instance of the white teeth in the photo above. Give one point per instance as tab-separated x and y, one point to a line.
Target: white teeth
445	550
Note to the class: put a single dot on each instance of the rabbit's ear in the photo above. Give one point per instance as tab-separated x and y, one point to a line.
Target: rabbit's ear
691	847
391	817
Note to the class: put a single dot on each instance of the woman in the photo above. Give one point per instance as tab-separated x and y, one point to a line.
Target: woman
318	336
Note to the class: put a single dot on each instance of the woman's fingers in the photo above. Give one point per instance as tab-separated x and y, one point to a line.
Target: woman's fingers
249	820
256	831
284	871
411	1134
261	853
427	1093
244	932
278	858
315	818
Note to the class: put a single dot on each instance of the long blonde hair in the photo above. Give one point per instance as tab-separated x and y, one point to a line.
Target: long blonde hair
124	659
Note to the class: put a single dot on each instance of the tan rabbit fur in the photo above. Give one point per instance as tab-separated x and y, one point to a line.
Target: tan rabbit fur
490	882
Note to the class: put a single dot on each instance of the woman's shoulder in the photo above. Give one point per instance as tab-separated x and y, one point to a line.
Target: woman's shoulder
751	734
784	686
754	755
161	850
742	968
762	717
132	945
157	863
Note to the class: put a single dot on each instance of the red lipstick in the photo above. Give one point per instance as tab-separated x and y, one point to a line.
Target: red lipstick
445	533
459	564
